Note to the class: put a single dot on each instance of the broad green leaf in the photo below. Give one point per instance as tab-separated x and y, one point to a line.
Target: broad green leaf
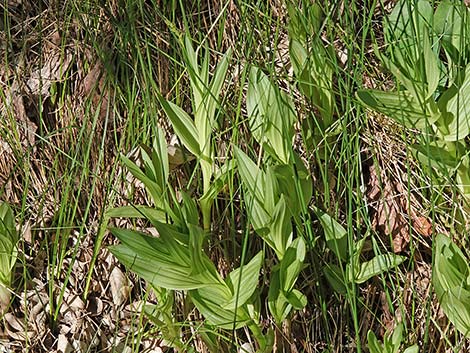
280	234
243	287
291	264
271	114
456	120
157	273
271	190
8	241
278	304
254	104
204	76
373	344
379	264
315	75
451	281
449	27
463	180
395	338
431	67
216	85
160	160
209	301
335	234
183	125
355	263
189	209
196	80
221	177
163	261
199	261
416	89
297	299
412	349
456	305
305	178
400	106
335	278
288	176
252	176
152	187
437	157
259	218
303	22
137	211
253	181
253	306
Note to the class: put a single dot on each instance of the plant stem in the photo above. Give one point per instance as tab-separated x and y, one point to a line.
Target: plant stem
206	203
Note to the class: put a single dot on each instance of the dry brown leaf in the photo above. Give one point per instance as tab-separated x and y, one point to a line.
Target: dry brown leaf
63	344
389	207
52	71
422	226
15	328
120	289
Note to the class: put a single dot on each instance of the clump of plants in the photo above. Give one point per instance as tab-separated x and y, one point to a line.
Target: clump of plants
275	197
428	52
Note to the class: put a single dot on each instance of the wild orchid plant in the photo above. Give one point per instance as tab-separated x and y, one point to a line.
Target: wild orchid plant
270	199
175	260
313	62
434	94
451	281
196	134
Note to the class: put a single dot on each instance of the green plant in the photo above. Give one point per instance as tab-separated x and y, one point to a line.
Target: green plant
8	253
433	94
277	192
271	219
451	281
196	134
355	271
175	260
392	342
313	62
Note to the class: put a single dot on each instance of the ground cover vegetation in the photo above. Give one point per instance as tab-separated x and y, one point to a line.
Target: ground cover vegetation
235	176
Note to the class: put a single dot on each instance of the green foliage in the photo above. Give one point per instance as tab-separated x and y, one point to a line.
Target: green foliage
355	271
435	94
175	261
270	200
8	252
276	190
392	342
272	115
196	134
314	62
451	281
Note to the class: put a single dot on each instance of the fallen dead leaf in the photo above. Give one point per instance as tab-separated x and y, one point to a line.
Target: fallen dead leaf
63	345
422	226
120	288
389	206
